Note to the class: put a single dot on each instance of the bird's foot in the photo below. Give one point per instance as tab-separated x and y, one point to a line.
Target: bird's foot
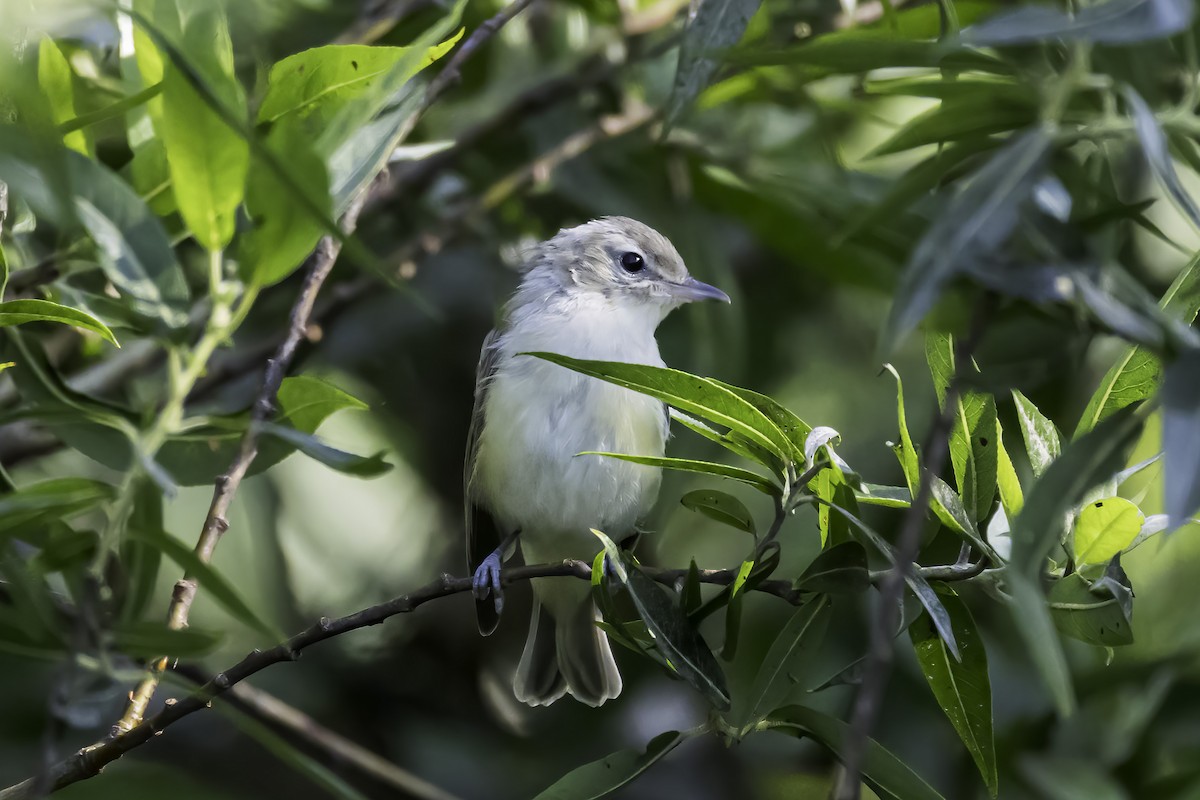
486	580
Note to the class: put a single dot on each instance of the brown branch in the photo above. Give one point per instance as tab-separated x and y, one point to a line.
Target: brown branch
89	761
320	264
881	646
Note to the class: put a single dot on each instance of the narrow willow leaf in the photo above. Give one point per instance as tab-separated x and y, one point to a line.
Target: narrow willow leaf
1092	613
793	428
55	80
1085	463
950	512
712	26
962	688
1105	528
1012	499
1136	373
730	441
677	638
973	446
786	662
954	120
841	568
140	561
1042	442
1112	22
702	467
314	448
208	159
722	507
1181	437
690	393
689	596
890	777
733	612
602	778
1032	618
19	312
150	639
980	218
875	494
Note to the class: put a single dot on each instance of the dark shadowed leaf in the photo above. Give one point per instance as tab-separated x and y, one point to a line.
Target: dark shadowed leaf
1181	437
150	639
841	568
19	312
969	118
1113	22
689	595
677	638
962	688
602	778
1086	462
1095	613
979	219
139	560
882	771
722	507
1032	618
340	460
733	611
786	663
712	26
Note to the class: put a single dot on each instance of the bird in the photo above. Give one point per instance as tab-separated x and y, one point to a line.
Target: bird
595	291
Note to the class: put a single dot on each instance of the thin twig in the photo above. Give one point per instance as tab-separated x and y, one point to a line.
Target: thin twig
881	647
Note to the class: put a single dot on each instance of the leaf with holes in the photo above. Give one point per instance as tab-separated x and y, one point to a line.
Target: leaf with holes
1105	528
722	507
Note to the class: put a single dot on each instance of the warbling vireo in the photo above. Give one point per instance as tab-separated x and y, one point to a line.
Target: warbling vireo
595	291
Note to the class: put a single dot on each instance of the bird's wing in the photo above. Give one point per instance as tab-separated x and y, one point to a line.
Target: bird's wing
482	534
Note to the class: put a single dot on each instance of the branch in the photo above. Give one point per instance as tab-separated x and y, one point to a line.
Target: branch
89	761
881	649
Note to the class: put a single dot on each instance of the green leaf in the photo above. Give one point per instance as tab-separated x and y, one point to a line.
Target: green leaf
1112	22
874	494
906	451
691	393
841	568
1042	442
733	612
962	688
314	448
689	596
722	507
305	401
55	79
1135	374
18	312
152	639
712	26
1012	499
32	507
702	467
676	637
885	773
1181	438
785	663
1033	622
1092	612
794	429
978	219
1154	145
208	159
968	118
140	561
209	578
1086	462
973	445
1105	528
602	778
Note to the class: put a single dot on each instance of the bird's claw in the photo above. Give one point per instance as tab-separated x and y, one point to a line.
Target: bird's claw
486	580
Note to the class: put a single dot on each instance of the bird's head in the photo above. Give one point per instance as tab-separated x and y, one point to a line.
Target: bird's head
622	260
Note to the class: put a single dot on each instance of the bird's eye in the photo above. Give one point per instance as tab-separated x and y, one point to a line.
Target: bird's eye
632	262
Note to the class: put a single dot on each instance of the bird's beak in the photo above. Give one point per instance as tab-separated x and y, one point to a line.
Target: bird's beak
691	290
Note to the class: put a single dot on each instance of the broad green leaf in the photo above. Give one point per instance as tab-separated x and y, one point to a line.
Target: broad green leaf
208	159
702	467
1135	374
691	393
968	118
733	611
712	26
973	445
722	507
874	494
1105	528
962	688
841	568
978	219
1042	442
890	777
1111	22
151	639
314	448
55	79
19	312
677	638
783	667
306	400
1181	437
602	778
831	487
1033	622
134	250
1012	499
1091	612
284	231
209	578
1085	463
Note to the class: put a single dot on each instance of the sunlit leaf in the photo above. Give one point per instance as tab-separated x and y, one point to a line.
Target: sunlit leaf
701	467
19	312
1042	442
55	80
1105	528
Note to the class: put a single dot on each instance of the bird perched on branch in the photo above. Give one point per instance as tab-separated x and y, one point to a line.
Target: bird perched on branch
596	291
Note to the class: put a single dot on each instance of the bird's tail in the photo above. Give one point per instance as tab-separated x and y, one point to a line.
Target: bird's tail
567	654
